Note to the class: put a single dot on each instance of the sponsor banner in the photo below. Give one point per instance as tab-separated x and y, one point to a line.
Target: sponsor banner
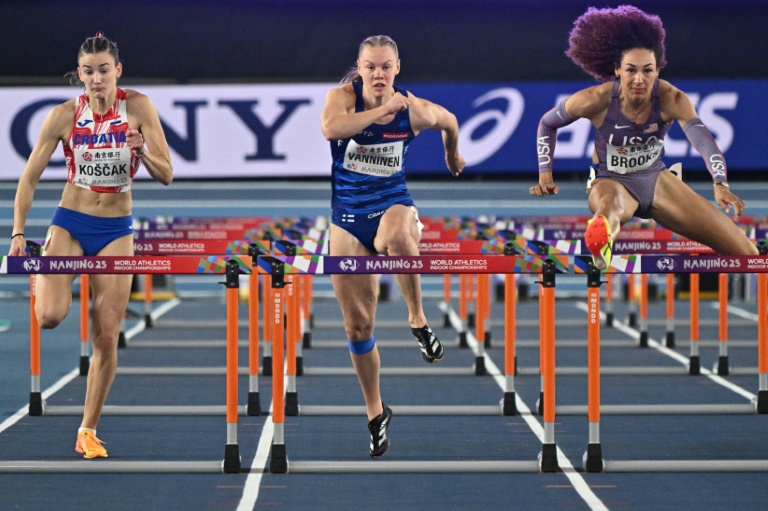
214	131
704	264
222	235
498	123
172	265
230	131
221	247
412	264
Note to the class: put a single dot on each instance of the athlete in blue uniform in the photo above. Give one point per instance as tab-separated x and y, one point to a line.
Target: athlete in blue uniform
110	126
369	123
631	113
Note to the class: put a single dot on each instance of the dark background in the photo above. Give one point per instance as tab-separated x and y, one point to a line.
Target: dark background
316	41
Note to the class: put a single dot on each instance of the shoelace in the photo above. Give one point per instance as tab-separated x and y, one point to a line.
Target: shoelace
91	442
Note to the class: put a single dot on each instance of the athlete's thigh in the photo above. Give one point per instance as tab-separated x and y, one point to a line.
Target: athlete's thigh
678	208
56	290
611	193
356	293
397	219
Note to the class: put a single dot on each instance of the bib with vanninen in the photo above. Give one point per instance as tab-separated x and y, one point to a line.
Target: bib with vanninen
384	159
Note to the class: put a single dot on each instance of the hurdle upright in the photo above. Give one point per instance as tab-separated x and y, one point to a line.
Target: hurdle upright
232	267
279	266
593	457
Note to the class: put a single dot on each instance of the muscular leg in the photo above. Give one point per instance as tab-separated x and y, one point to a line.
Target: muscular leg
610	198
680	209
110	300
53	293
357	298
398	235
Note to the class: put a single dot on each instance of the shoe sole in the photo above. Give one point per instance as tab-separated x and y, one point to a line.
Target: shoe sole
381	454
79	450
433	360
596	248
386	446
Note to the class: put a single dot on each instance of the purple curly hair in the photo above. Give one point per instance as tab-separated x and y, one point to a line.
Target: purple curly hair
601	36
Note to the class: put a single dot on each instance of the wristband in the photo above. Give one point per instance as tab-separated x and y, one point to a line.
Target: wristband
17	234
721	183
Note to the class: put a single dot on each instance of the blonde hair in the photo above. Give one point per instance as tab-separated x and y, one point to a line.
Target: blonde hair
373	41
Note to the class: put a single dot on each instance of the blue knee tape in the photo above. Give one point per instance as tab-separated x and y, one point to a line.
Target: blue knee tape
362	347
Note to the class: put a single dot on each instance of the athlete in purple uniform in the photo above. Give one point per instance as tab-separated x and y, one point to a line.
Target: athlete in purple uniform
369	123
103	134
632	111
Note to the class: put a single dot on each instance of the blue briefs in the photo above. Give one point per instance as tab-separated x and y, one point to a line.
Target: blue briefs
363	226
92	232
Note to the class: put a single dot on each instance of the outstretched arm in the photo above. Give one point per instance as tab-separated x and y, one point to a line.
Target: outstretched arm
427	115
546	136
55	128
676	105
588	103
156	155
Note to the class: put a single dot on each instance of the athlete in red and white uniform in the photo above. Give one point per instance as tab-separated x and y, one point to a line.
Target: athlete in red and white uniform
97	154
106	133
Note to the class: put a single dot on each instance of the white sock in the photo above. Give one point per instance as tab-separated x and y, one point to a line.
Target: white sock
80	430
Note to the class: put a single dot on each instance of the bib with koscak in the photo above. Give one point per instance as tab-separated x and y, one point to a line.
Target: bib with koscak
97	154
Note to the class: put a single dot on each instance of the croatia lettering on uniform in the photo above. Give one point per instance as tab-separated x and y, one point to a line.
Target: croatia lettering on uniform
97	153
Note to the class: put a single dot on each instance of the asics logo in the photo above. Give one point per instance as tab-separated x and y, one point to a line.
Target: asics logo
478	147
85	122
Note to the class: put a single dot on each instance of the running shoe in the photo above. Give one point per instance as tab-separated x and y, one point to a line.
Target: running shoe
599	242
89	446
378	428
431	349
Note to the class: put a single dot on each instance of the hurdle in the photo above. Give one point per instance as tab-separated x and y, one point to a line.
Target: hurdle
454	247
280	267
232	267
222	247
481	298
593	457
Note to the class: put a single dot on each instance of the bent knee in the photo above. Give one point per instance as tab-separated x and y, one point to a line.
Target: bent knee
49	318
357	333
105	342
396	242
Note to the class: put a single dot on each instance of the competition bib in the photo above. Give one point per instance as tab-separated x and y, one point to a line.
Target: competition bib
633	158
375	159
103	167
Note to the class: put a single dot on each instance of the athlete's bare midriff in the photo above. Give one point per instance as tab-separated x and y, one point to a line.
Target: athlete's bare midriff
95	203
